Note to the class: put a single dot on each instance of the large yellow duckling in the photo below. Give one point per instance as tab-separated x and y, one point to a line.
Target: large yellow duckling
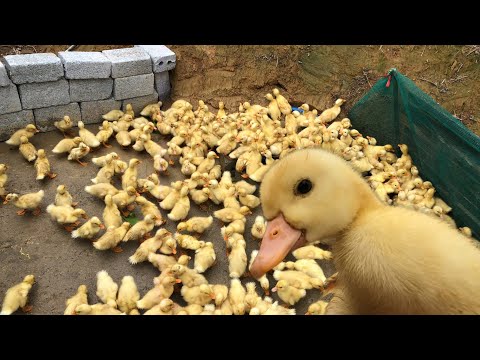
42	165
104	134
17	296
78	153
283	104
331	114
28	131
390	260
27	149
66	215
26	202
78	299
113	115
64	125
66	145
87	136
89	229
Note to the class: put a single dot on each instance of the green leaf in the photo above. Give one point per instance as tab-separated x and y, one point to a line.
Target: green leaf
132	219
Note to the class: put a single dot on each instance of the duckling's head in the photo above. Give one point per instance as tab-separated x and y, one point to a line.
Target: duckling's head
309	195
3	169
339	102
207	290
67	120
11	197
276	92
32	129
23	139
81	125
212	155
149	219
178	269
269	97
41	153
281	285
61	189
83	309
128	107
245	210
29	279
131	191
77	140
95	221
134	162
82	289
79	212
162	233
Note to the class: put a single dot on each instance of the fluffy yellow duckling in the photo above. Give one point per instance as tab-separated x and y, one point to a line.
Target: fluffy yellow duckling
259	227
3	180
276	309
466	231
169	246
237	259
263	280
66	145
149	109
125	198
78	153
331	114
159	192
171	199
204	257
249	188
298	279
208	163
149	246
228	215
152	147
64	125
129	110
123	138
262	306
161	262
89	229
66	215
113	115
111	214
106	131
106	289
164	308
63	197
282	103
96	309
78	299
200	196
26	202
112	238
129	177
188	242
251	297
189	277
307	266
199	295
141	229
102	160
182	207
42	165
438	202
28	131
159	292
160	164
101	190
87	137
288	293
273	109
196	224
128	295
221	293
188	168
249	200
317	308
27	149
149	208
17	296
312	252
236	296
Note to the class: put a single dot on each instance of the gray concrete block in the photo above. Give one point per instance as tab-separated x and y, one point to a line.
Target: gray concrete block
138	103
45	117
90	89
129	62
9	99
85	65
92	111
133	86
163	58
9	123
4	79
162	85
33	68
38	95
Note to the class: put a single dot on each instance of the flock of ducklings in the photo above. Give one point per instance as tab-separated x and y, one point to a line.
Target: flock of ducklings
254	136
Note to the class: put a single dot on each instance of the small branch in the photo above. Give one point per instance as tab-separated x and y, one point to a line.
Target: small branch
430	82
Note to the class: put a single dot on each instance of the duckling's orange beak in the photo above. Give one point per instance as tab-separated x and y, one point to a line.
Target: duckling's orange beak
279	239
178	281
102	226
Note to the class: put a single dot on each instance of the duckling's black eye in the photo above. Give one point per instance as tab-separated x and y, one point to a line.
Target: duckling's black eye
303	187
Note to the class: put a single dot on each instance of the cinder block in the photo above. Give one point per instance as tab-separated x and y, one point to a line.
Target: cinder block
4	79
9	99
9	123
33	68
129	62
133	86
139	103
85	65
92	111
162	85
90	89
38	95
163	58
45	117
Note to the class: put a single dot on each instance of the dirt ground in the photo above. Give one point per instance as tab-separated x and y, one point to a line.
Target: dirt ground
39	246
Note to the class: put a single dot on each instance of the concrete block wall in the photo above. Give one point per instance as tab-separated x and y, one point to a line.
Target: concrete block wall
42	88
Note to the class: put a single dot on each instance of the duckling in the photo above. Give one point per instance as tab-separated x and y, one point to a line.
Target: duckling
78	299
96	309
251	297
221	293
152	147
102	160
101	190
199	295
438	202
466	231
126	199
228	215
182	207
3	180
161	262
249	188
66	215
42	165
173	196
188	242
160	192
207	164
217	194
317	308
123	138
237	259
196	224
63	197
200	196
204	257
227	144
129	110
189	277
230	200
111	214
259	227
312	252
78	153
112	238
307	266
164	308
27	149
236	296
437	210
273	109
275	309
298	279
106	131
288	293
26	202
89	229
28	131
113	115
282	103
236	226
129	177
140	229
106	289
149	208
251	201
149	246
330	114
66	145
262	306
160	164
128	295
149	109
158	293
87	137
105	174
64	125
263	280
169	245
188	168
17	296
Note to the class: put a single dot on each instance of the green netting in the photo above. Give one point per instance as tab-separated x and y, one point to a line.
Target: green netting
444	150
